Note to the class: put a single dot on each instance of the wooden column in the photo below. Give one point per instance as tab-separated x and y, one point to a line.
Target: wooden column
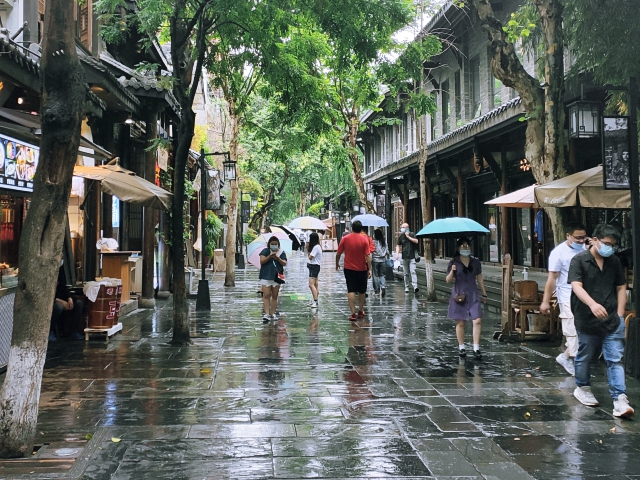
504	213
388	212
460	192
148	232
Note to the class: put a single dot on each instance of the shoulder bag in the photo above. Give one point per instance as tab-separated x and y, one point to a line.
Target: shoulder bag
279	276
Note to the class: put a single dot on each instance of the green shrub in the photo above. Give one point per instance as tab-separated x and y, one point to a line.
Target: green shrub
213	229
250	236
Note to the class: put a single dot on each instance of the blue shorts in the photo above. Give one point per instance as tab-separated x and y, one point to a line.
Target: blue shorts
314	270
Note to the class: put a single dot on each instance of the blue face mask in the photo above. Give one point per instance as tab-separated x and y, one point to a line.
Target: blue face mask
605	250
465	253
402	230
577	246
274	248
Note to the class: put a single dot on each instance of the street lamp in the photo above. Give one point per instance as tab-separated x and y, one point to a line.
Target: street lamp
203	300
229	167
584	119
371	193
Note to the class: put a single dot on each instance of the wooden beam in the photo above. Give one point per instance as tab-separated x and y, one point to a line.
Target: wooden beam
450	176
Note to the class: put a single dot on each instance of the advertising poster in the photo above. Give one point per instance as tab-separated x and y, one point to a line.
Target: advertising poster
18	162
616	153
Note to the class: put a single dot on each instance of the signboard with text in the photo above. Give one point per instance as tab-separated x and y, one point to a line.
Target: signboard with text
18	162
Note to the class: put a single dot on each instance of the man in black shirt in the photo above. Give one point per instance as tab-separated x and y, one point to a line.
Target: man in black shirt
64	308
598	298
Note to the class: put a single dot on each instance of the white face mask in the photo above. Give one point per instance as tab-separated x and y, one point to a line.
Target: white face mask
402	230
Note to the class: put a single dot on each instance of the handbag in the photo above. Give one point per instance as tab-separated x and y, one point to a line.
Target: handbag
389	263
279	278
460	299
417	256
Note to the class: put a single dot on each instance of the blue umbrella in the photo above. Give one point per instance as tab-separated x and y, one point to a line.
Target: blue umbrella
454	227
370	220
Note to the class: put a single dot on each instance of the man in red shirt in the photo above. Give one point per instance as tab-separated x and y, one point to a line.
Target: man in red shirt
357	267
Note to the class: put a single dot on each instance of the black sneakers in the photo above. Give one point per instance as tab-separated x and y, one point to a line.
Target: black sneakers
463	353
477	355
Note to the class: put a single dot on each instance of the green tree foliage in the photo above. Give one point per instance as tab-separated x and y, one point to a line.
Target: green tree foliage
605	38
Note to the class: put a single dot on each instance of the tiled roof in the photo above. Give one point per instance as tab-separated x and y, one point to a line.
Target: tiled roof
476	122
13	51
146	83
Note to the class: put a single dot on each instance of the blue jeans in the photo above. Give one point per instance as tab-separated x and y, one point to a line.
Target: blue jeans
378	275
612	349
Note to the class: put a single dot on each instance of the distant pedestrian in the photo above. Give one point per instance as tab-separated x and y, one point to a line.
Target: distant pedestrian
598	299
379	263
272	260
465	272
409	244
559	261
302	238
357	267
314	251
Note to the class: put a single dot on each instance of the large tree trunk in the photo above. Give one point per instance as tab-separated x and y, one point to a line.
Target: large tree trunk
148	234
230	275
41	240
356	168
425	204
544	106
181	335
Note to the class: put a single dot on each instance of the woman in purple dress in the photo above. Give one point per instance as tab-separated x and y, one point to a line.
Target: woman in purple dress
465	272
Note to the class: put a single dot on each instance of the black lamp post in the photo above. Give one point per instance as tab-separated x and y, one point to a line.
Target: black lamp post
203	300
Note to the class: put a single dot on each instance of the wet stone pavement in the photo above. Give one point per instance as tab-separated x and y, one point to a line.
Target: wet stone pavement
313	395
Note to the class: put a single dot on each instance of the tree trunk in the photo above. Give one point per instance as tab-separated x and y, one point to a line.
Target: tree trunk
544	137
230	276
425	204
148	233
41	240
356	170
181	334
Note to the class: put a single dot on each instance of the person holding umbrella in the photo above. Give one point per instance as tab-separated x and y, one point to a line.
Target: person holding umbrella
272	260
465	272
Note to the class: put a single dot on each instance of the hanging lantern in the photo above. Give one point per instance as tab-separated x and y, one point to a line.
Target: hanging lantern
584	119
229	167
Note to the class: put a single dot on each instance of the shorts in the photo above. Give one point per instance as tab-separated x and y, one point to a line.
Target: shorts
314	270
269	283
356	280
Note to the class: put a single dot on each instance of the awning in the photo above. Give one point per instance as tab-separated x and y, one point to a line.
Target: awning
523	198
126	185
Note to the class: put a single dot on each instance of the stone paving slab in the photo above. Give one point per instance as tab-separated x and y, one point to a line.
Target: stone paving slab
312	395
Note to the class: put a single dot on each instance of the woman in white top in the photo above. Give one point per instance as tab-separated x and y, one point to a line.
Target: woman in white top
315	259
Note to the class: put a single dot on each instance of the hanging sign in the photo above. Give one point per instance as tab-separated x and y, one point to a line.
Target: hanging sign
18	162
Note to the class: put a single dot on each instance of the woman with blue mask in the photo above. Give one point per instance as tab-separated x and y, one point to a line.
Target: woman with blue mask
272	260
465	272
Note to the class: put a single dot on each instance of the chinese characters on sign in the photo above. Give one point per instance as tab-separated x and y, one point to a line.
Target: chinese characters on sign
18	162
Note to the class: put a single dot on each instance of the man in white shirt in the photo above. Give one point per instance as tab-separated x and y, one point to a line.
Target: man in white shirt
559	261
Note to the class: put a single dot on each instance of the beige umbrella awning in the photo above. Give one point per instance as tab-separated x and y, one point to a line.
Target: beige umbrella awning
523	198
126	185
585	189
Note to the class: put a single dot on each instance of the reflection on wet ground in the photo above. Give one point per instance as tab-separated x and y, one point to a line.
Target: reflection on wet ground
314	395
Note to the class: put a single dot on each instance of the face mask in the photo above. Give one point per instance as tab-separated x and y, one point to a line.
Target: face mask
274	248
605	250
402	230
465	253
577	246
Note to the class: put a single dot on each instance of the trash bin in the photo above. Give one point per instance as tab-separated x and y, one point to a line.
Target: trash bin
219	263
103	313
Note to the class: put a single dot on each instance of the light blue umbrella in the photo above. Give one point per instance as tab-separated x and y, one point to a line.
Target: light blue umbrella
453	227
370	220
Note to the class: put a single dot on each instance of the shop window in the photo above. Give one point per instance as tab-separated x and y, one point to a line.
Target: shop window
458	94
446	108
11	220
474	80
525	237
494	242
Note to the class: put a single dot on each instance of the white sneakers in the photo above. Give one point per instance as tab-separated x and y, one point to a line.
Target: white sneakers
585	397
312	304
406	289
621	407
567	364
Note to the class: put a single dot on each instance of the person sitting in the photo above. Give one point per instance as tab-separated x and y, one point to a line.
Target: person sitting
65	312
